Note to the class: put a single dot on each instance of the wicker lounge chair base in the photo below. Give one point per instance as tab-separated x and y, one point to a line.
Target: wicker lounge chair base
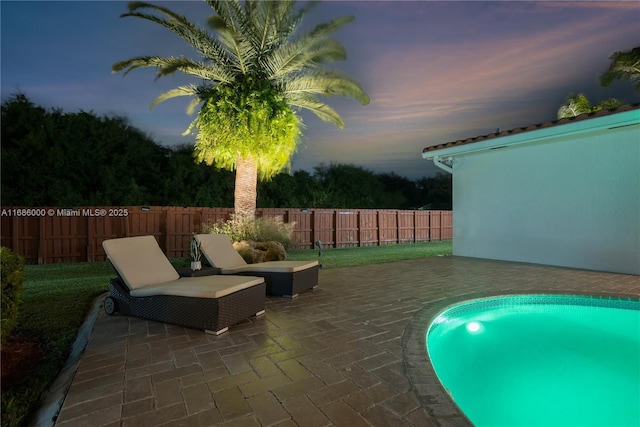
283	278
286	284
214	315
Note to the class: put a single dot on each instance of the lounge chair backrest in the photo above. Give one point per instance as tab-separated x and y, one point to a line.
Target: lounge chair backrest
139	261
219	251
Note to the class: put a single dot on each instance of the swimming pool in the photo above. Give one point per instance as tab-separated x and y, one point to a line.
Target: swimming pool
540	360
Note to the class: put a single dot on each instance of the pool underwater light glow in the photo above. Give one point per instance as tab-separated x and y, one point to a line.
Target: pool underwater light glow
473	327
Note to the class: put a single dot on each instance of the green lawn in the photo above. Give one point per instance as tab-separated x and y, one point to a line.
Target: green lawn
352	257
57	297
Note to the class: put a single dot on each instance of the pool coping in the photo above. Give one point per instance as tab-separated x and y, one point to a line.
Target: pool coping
417	364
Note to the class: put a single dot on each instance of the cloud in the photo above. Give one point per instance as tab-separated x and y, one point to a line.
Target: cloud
437	84
424	94
608	5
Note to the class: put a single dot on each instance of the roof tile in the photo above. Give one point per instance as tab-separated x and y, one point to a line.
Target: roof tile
548	124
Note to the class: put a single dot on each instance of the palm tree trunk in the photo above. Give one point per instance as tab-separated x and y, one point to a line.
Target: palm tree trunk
246	190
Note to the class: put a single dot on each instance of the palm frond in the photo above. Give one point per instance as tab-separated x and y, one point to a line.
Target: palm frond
309	102
624	65
232	26
180	25
167	66
264	18
290	21
325	82
193	104
212	71
189	90
240	52
230	13
274	21
574	106
137	62
293	58
324	30
311	49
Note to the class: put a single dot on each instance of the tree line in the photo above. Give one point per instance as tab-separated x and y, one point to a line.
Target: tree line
55	158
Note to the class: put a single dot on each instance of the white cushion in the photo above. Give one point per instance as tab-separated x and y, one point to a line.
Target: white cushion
139	261
219	251
272	267
200	287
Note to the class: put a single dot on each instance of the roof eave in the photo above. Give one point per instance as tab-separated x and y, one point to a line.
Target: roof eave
626	118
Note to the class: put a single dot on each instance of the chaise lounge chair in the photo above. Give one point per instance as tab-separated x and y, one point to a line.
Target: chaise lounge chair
149	287
283	278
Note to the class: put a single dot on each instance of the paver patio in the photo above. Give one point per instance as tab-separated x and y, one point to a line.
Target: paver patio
346	354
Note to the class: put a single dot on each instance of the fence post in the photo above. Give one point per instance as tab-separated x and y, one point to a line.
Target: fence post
14	231
42	250
359	222
165	214
127	222
334	224
378	225
314	227
90	252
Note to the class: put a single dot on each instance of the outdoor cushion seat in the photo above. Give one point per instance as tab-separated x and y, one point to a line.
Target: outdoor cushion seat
283	278
199	287
148	286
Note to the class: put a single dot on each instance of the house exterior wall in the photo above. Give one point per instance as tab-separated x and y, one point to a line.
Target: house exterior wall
570	201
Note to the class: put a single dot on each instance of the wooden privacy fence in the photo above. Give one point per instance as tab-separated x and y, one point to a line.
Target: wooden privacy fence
54	234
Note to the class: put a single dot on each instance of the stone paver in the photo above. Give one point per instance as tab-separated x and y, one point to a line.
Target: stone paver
340	355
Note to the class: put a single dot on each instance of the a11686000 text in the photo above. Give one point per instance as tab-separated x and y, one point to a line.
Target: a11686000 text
81	212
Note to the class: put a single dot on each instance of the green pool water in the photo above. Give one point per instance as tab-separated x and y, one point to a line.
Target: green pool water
542	360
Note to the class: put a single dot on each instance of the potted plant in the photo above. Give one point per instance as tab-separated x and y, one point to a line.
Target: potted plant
196	253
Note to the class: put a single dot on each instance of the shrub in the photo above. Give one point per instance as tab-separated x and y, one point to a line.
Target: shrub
12	278
253	252
257	230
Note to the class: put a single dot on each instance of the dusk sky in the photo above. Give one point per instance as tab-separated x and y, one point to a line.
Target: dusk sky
436	71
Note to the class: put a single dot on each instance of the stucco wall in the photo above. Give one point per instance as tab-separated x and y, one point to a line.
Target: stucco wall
570	201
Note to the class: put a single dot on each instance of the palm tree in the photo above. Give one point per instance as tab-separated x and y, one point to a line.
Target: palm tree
580	104
624	65
574	106
252	75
